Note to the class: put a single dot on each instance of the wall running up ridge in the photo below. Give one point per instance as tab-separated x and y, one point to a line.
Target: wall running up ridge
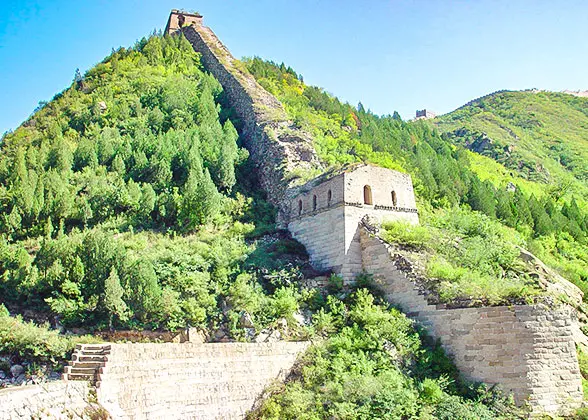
276	145
189	380
528	349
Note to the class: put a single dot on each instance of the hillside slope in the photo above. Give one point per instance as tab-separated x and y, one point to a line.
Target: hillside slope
126	202
552	218
542	136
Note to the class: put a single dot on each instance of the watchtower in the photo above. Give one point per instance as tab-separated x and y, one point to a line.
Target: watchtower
325	214
179	19
425	114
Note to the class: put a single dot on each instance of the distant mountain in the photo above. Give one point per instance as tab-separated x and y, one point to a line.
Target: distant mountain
541	136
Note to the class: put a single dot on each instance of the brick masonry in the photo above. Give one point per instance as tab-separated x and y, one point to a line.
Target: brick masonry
188	380
529	350
277	147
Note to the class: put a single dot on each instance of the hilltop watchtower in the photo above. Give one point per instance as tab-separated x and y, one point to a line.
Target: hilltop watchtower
179	19
425	114
325	214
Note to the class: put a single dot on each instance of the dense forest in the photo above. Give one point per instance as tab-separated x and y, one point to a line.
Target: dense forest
127	202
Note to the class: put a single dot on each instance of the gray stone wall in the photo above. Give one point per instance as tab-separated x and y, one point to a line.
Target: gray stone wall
382	182
528	349
329	230
52	400
188	380
276	146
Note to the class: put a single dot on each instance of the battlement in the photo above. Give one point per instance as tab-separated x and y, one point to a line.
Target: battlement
425	114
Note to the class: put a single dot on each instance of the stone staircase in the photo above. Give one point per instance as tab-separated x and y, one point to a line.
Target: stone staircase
87	359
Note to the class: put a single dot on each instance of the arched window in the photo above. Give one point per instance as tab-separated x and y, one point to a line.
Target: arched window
299	207
367	195
329	197
313	202
394	200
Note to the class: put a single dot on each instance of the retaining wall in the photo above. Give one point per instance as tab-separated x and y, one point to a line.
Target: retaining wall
528	349
205	381
53	400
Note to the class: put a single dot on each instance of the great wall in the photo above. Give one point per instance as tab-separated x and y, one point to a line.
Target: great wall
528	350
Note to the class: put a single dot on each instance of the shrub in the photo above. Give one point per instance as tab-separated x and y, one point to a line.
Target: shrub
30	341
415	236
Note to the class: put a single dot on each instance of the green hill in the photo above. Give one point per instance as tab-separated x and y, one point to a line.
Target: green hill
552	217
127	203
541	136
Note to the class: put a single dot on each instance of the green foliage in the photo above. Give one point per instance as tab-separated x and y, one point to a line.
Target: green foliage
537	140
583	362
469	256
113	293
406	234
373	365
28	340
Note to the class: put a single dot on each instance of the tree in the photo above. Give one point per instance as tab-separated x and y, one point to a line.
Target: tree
113	301
229	152
541	221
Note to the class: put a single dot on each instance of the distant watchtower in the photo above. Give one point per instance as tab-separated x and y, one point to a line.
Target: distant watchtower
179	19
425	114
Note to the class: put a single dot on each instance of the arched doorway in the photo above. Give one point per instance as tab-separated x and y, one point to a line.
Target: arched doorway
367	195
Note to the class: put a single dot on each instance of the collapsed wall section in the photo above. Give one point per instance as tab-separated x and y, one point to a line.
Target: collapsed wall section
188	380
528	349
277	147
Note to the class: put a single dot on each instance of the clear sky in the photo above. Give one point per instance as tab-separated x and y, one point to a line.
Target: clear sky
390	55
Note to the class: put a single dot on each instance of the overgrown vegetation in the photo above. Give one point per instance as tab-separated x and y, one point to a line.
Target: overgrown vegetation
126	203
372	364
29	341
469	257
552	219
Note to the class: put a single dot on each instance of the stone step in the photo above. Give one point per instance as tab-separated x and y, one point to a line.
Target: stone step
95	352
94	365
93	347
81	370
78	377
85	358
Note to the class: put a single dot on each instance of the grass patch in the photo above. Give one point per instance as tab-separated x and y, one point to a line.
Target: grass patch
468	257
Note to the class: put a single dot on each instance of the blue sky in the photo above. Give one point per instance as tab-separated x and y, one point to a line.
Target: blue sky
390	55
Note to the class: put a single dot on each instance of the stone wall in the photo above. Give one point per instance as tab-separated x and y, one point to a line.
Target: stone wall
276	146
325	215
53	400
172	381
528	349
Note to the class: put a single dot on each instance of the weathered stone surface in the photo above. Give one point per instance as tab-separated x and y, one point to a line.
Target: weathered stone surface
205	381
325	214
16	370
54	400
528	350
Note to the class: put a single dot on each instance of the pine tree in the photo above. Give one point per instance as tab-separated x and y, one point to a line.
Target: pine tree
521	210
541	221
504	207
113	298
229	152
